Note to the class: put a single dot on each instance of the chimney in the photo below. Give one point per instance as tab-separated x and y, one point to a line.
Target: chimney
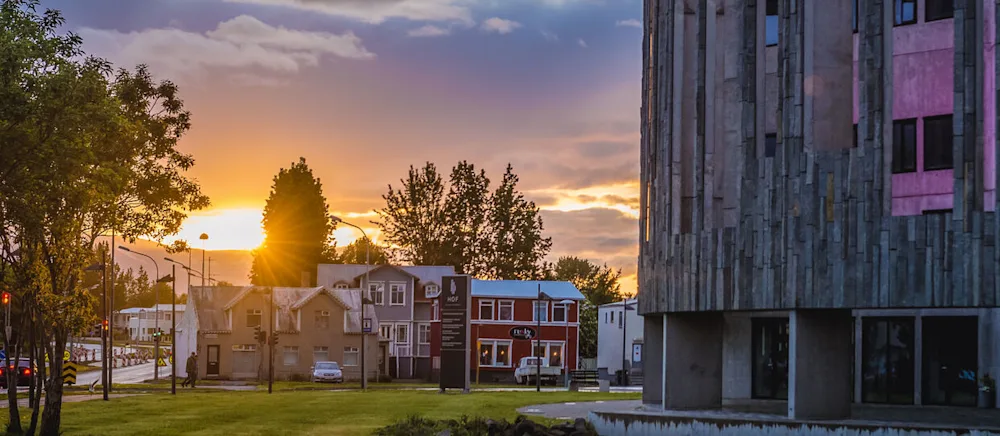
306	279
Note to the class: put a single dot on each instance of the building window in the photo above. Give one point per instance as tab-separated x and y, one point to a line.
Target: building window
291	356
854	16
322	319
432	291
769	374
551	352
937	143
887	355
904	146
770	144
376	293
506	311
351	356
621	319
951	358
855	138
494	353
424	333
938	10
612	316
486	310
906	12
385	331
253	317
541	311
559	312
321	354
397	294
340	286
771	23
435	316
402	334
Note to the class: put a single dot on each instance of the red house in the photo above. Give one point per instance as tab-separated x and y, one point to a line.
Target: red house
501	305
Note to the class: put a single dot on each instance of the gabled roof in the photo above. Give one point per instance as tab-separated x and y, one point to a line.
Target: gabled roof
316	292
211	303
525	289
330	274
380	267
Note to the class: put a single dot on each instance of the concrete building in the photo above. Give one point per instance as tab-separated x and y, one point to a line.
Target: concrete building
779	246
141	321
619	340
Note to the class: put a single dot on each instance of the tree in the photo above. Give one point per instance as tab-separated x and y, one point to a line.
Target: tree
495	235
222	283
599	284
298	229
354	253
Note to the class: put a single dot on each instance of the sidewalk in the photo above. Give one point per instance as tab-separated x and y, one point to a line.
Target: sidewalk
69	399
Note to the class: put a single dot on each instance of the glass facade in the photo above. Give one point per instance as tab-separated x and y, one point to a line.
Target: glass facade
887	360
950	360
770	358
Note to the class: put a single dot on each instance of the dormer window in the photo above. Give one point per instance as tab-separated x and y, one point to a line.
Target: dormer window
432	291
253	317
340	286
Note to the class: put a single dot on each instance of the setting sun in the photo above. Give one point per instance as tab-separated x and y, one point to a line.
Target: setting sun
227	229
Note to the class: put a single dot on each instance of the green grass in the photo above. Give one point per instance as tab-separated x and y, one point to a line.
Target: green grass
293	413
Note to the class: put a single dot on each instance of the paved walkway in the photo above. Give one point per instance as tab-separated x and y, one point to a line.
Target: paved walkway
581	409
67	399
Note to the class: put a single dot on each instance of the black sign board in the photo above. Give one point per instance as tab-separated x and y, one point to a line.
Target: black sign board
455	307
525	333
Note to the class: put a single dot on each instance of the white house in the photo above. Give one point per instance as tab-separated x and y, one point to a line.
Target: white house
612	328
142	321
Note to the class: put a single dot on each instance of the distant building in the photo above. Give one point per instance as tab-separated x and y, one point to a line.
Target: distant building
313	324
501	305
611	326
141	322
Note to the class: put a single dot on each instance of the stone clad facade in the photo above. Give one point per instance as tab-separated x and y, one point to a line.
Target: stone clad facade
760	201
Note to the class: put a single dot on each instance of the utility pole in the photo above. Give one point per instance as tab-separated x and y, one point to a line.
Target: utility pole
209	272
111	309
204	238
173	329
272	340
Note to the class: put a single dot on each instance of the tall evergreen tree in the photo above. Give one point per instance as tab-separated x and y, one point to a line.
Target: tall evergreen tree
517	248
413	219
465	217
298	230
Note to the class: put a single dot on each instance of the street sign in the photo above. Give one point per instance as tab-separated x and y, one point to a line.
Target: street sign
523	333
160	362
455	307
3	354
69	373
366	325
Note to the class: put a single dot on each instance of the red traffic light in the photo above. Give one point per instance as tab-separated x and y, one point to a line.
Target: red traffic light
105	324
6	298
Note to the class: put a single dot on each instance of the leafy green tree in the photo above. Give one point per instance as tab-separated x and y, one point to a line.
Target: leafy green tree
516	247
599	284
354	253
298	230
413	218
466	213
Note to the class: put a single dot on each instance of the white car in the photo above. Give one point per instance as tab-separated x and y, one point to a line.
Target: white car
327	372
527	370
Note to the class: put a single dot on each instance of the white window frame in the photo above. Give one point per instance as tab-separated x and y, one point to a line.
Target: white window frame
340	286
352	351
493	343
322	314
535	305
500	306
423	334
492	305
397	289
388	326
432	291
285	353
548	351
323	350
406	336
434	311
376	293
565	311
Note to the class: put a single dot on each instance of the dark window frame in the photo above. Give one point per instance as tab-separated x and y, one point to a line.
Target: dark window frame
854	143
854	16
770	149
928	17
929	139
898	13
908	164
769	4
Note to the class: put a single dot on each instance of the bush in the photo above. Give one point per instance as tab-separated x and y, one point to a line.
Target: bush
522	426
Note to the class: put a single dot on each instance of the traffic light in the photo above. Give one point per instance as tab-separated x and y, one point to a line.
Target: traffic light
257	336
6	298
104	324
274	338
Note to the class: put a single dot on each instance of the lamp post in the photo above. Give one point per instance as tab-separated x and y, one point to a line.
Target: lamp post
156	311
204	238
173	323
538	342
364	335
626	307
565	357
102	267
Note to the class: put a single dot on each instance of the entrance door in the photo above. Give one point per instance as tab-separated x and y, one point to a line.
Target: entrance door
770	358
212	369
951	359
887	355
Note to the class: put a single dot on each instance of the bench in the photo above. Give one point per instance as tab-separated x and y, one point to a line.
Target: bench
582	377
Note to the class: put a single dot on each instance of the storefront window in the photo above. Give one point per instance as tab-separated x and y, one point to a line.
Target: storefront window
770	358
887	359
950	359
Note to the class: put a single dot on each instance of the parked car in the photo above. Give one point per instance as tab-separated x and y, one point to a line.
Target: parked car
327	372
528	368
25	372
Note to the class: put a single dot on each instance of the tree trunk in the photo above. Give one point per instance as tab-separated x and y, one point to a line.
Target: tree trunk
38	358
52	412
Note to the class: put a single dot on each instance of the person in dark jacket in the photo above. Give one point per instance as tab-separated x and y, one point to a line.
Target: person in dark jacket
192	370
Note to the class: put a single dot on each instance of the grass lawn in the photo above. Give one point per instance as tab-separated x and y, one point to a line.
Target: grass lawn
286	412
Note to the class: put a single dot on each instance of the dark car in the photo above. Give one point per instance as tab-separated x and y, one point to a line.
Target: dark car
25	372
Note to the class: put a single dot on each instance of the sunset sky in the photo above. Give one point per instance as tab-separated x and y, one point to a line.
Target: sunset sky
364	88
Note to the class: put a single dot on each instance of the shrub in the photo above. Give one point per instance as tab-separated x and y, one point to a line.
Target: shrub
415	425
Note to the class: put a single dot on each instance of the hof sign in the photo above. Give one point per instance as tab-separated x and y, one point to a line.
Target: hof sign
456	304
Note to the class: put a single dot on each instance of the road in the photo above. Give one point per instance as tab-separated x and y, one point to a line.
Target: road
128	375
581	409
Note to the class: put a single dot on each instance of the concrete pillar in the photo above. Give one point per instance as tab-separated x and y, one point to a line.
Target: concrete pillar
652	358
693	346
819	364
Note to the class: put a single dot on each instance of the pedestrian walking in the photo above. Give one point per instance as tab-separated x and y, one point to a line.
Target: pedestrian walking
192	370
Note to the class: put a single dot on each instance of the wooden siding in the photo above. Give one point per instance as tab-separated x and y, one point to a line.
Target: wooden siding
812	226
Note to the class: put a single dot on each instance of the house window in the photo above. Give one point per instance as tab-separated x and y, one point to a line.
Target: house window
424	333
541	311
402	334
486	309
506	311
937	143
621	319
906	12
432	291
770	144
855	138
938	10
351	356
385	331
551	352
376	293
253	317
340	286
904	146
322	319
291	356
434	311
612	316
771	23
559	313
854	16
321	354
494	353
397	294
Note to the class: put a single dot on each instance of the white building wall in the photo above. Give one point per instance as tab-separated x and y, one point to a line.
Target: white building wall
609	335
187	339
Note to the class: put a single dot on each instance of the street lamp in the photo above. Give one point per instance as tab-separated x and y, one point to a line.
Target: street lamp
364	335
204	239
627	307
102	267
156	311
565	357
173	321
538	341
